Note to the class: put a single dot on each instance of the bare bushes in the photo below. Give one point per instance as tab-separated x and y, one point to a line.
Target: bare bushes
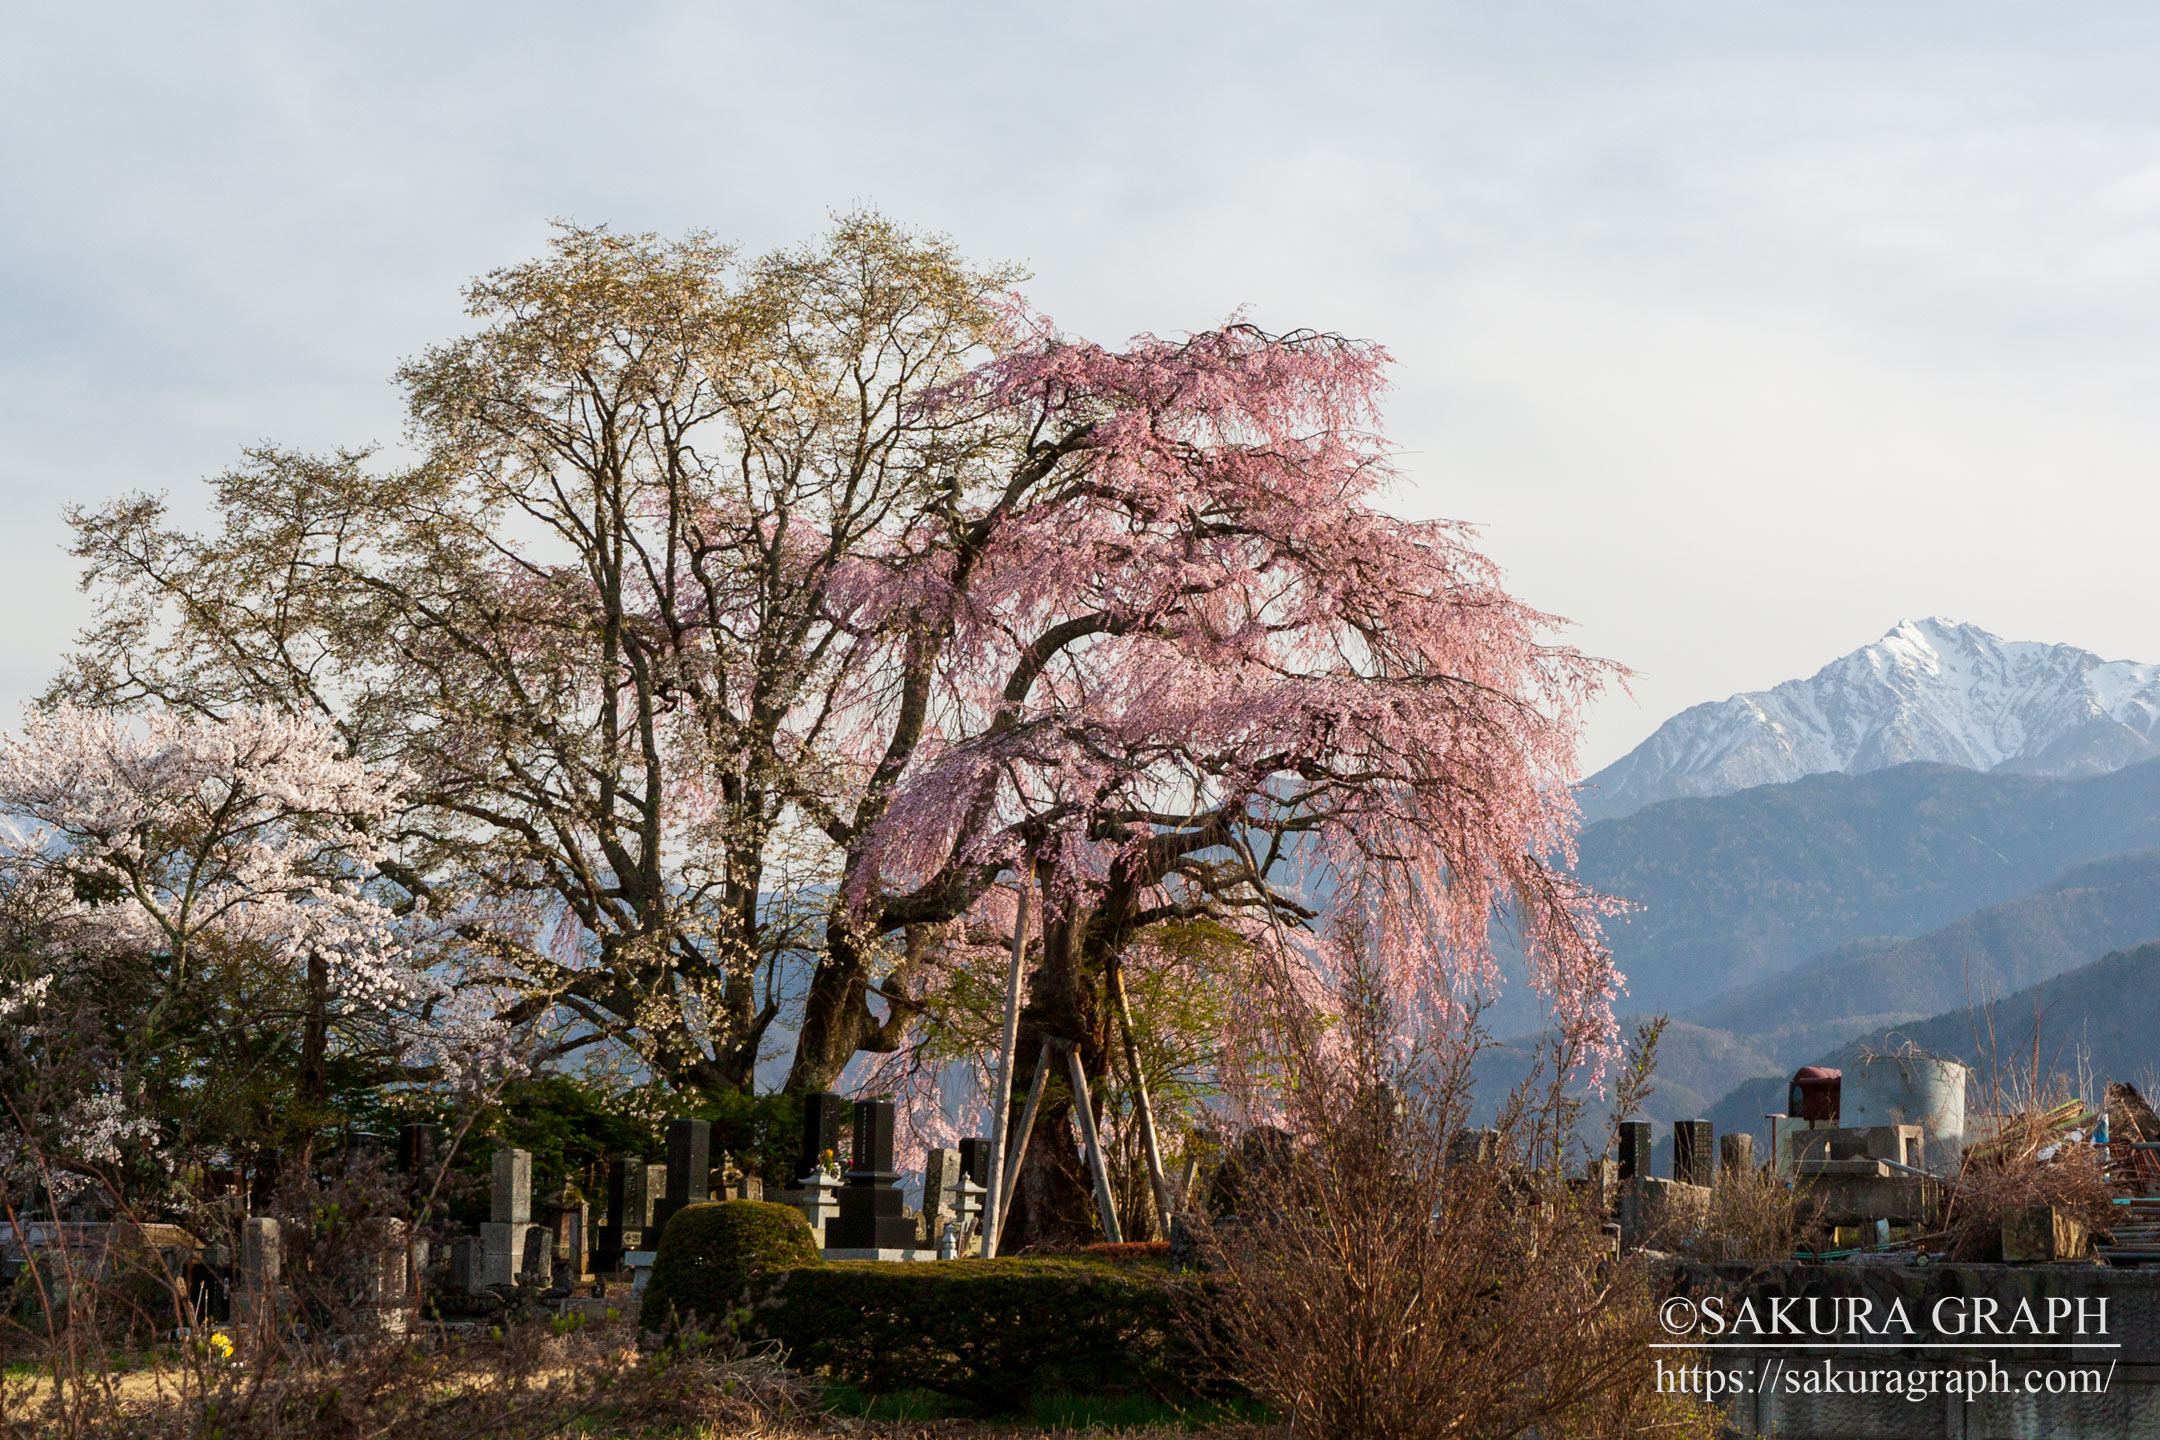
1752	1215
1383	1271
2030	1166
527	1380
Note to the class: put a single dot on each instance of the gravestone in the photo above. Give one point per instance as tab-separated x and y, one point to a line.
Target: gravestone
1473	1147
572	1231
940	1195
817	1192
1635	1145
417	1149
262	1257
1692	1155
364	1147
826	1117
749	1187
975	1160
621	1229
1601	1182
467	1271
535	1252
973	1192
501	1247
510	1203
389	1288
688	1174
872	1213
1736	1155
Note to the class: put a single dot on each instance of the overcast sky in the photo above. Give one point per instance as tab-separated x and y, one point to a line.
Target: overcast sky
1744	330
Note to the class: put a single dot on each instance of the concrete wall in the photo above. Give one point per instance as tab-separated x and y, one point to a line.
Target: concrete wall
1777	1379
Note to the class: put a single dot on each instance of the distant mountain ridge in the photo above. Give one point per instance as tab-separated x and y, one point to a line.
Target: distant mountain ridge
1736	888
2102	1018
2108	905
1929	690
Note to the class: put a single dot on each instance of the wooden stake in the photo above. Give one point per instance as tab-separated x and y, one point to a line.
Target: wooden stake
1105	1203
1157	1179
1010	1181
1001	1102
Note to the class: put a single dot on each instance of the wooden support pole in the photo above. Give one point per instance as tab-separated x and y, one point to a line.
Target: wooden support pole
1007	1183
1157	1178
1001	1101
1105	1202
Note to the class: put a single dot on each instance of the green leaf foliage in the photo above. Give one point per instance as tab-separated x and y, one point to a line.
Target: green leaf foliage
711	1256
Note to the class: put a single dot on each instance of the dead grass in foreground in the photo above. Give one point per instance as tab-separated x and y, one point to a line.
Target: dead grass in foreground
528	1384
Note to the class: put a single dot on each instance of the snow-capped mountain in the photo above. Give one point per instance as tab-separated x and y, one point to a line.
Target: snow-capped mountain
1929	690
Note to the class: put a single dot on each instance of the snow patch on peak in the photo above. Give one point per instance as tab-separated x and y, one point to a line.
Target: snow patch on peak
1933	689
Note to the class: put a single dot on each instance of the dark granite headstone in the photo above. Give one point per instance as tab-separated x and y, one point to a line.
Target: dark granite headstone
825	1120
872	1215
627	1211
689	1169
417	1149
1692	1156
1635	1149
975	1160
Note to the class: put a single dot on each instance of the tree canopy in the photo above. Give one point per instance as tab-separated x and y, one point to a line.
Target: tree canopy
739	629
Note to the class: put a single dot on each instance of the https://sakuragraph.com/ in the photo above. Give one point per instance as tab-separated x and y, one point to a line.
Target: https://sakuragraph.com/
1935	1349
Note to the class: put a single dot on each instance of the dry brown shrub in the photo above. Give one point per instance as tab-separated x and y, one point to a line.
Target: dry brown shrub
2073	1179
1753	1216
523	1381
2031	1160
1367	1287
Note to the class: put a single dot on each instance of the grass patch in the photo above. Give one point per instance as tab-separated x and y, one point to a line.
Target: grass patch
1067	1411
842	1398
1054	1410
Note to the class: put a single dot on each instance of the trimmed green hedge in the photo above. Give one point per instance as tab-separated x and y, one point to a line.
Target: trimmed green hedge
993	1334
710	1255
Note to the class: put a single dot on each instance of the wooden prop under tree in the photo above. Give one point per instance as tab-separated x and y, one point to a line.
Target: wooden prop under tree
1098	1169
1001	1102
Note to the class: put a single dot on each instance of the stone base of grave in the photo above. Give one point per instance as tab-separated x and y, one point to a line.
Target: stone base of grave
909	1252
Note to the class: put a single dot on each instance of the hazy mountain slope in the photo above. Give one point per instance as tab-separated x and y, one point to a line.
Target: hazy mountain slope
2105	1015
1929	690
1695	1066
2106	905
1738	887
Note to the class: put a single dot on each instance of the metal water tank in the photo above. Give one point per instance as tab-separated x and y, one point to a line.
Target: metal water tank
1912	1088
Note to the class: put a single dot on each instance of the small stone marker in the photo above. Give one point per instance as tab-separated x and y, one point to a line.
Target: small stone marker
1736	1155
1473	1147
940	1195
261	1260
535	1255
467	1270
572	1233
